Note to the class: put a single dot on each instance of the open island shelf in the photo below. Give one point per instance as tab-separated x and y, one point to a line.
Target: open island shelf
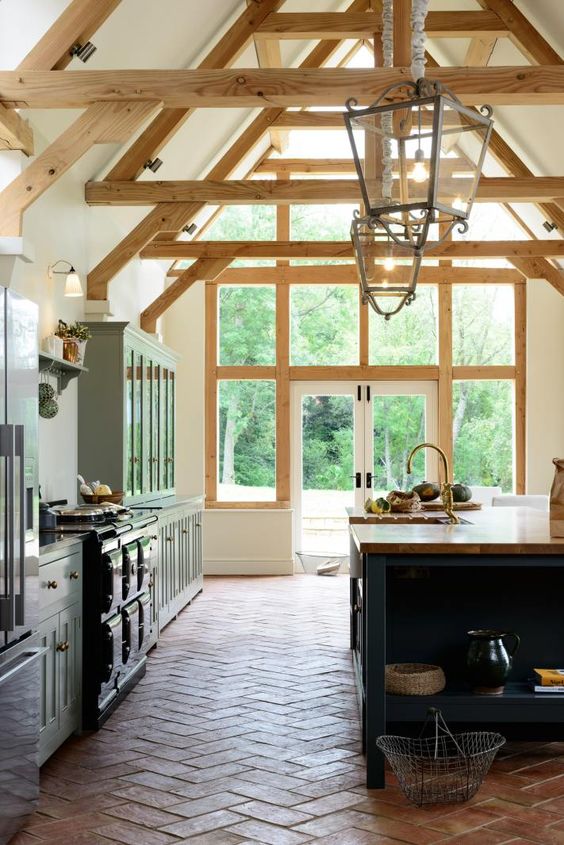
416	590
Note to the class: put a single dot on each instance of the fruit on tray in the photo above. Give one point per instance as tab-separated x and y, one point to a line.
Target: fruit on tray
427	490
103	490
461	493
377	506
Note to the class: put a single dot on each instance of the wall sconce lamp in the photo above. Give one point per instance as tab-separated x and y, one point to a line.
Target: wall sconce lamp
73	286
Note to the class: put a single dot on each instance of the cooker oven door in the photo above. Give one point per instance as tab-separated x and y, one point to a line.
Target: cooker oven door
144	622
130	633
130	554
144	563
111	663
111	581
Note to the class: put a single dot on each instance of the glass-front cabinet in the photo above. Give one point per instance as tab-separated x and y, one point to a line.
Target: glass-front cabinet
127	412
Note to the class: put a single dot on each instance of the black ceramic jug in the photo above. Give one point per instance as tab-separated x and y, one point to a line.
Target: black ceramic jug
488	661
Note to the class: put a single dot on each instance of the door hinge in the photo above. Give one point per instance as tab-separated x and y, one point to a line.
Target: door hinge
359	392
368	480
368	393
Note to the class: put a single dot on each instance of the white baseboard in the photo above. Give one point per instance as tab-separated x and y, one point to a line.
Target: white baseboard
249	567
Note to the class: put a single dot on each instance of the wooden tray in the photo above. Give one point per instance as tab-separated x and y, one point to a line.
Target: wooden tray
458	506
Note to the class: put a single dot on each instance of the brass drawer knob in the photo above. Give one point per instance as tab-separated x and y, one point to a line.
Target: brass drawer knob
64	646
52	585
74	575
170	539
185	531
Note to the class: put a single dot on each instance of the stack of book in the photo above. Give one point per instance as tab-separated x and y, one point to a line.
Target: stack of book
548	681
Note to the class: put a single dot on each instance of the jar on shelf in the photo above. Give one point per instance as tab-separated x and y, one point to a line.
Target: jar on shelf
71	351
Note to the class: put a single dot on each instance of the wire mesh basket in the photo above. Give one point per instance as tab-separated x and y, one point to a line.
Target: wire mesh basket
444	768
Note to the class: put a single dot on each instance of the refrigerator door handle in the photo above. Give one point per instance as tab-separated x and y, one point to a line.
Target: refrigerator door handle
30	656
8	602
20	453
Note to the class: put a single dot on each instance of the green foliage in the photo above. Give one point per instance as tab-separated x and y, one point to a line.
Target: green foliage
483	433
245	223
482	324
411	336
324	325
321	222
327	442
247	428
247	330
398	425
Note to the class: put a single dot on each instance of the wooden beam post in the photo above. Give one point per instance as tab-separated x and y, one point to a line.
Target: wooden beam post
521	31
211	394
520	388
15	132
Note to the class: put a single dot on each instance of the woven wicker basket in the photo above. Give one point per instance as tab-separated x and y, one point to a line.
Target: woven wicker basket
402	502
414	679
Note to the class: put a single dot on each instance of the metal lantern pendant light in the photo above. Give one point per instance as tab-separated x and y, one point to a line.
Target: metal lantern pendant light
418	153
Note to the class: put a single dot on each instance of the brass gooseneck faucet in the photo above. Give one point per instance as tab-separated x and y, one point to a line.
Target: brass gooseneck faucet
446	486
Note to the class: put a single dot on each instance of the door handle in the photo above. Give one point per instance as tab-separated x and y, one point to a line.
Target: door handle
368	480
31	655
8	604
358	479
20	453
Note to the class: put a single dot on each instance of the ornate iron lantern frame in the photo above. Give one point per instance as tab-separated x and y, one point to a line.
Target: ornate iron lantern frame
418	216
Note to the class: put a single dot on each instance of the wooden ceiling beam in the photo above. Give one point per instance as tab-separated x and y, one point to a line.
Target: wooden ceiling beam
302	191
343	249
324	120
165	218
249	87
521	31
347	274
75	25
201	270
167	123
15	132
295	25
101	123
539	268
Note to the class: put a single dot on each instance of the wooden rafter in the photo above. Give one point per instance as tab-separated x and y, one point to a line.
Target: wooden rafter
284	25
269	55
527	38
199	271
101	123
343	249
174	218
75	25
542	85
170	120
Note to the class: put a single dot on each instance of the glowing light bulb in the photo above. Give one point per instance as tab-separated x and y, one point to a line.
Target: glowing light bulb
389	263
384	283
419	172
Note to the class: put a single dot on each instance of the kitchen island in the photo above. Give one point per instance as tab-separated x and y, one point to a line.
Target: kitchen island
418	586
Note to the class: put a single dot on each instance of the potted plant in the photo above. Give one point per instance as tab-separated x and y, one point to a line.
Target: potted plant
74	338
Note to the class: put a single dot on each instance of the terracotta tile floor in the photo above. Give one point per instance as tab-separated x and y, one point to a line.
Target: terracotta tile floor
245	731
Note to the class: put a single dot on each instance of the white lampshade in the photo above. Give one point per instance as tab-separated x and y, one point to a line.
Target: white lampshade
73	286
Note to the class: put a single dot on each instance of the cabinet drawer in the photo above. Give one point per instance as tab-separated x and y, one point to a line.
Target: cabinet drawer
60	583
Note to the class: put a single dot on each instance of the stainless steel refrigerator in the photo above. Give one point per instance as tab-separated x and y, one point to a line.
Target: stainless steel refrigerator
19	650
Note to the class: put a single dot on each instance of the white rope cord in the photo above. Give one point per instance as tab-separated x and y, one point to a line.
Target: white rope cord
387	126
418	15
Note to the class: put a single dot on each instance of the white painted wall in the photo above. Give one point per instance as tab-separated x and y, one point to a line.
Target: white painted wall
545	384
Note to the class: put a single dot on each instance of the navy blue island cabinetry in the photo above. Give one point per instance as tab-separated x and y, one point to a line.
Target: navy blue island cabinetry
417	588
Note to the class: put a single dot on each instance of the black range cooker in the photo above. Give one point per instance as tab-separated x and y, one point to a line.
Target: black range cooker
118	624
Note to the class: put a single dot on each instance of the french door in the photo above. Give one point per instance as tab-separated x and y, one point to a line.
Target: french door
351	441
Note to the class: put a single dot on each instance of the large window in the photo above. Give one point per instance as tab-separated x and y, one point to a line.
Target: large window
247	433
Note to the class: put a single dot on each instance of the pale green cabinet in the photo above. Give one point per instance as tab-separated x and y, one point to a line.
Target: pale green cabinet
180	571
60	631
127	412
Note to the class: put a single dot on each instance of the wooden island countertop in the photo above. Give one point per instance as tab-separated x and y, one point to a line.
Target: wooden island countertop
494	531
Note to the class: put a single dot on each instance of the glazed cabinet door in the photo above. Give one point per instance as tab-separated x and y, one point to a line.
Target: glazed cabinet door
49	690
129	421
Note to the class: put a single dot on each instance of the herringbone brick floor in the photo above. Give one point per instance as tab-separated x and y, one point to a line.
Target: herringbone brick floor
244	732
